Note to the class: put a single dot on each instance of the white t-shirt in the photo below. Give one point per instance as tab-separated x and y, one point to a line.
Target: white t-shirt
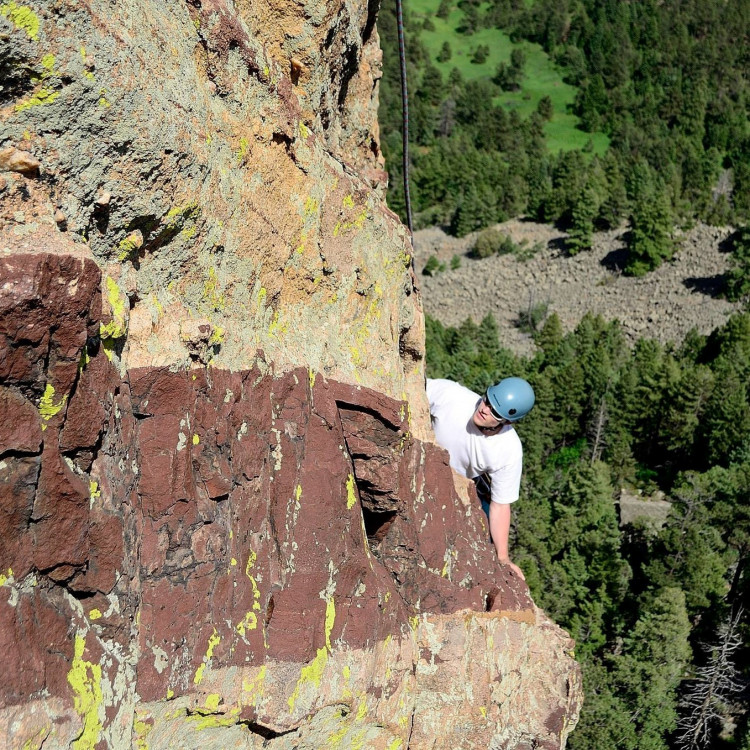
472	451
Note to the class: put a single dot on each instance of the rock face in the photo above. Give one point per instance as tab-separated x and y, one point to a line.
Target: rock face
222	523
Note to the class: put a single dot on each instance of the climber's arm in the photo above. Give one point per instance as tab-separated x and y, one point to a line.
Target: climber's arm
500	530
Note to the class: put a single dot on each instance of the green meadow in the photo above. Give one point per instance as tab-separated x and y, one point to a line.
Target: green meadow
541	76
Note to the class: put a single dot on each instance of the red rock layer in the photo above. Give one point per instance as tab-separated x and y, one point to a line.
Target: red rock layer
206	514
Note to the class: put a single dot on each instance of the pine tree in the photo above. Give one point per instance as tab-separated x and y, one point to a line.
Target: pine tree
582	222
651	235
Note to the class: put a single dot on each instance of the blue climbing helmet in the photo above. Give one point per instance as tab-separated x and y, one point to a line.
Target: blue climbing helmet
511	398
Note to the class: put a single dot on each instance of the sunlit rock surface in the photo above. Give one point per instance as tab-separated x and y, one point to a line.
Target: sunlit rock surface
222	523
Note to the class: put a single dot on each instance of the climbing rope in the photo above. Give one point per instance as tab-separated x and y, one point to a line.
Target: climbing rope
405	118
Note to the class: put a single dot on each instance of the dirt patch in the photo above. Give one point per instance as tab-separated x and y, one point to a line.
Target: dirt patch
665	304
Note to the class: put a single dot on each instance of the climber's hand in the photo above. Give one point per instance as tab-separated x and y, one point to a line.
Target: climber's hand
512	566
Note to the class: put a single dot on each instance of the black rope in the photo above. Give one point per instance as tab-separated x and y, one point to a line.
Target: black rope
405	116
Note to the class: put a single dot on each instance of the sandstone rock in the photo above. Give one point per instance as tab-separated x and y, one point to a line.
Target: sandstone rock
15	160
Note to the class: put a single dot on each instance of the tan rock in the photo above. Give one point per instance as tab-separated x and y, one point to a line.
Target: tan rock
14	160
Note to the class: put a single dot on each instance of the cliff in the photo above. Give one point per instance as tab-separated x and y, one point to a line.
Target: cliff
222	521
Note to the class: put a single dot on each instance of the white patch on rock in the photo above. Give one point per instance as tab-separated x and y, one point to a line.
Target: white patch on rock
161	659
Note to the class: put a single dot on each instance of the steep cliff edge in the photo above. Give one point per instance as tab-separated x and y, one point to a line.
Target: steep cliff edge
222	523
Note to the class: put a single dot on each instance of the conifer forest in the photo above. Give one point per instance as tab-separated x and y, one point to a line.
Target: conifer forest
591	114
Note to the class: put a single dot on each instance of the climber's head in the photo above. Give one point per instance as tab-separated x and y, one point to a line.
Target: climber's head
508	401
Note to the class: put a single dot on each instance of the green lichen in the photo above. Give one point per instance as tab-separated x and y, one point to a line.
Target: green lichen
47	406
85	679
22	17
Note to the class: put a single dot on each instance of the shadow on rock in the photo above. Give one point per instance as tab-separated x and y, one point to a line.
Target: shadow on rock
713	286
615	260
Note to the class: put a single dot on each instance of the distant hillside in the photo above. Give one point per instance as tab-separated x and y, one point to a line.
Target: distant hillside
580	114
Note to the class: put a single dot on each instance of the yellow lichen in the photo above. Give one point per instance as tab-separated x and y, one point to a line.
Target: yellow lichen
36	742
351	497
141	729
4	579
22	17
311	206
95	614
313	672
304	131
250	622
256	593
212	721
311	376
362	709
129	246
276	328
217	336
170	694
254	688
211	292
94	491
396	744
85	679
298	493
212	701
243	150
117	327
43	96
196	439
348	202
47	406
213	641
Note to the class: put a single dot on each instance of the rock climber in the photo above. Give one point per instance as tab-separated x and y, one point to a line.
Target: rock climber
477	431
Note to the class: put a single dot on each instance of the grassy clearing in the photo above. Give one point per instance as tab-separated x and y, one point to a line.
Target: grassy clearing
541	77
